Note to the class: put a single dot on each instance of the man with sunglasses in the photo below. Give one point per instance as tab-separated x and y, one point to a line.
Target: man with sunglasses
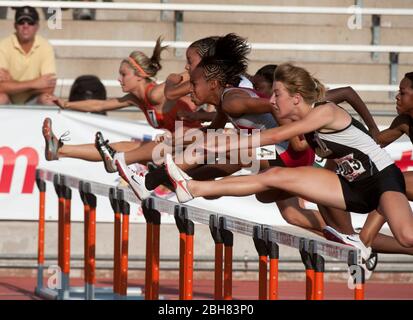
27	62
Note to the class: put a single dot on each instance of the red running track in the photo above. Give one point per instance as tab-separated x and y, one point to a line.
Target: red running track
20	288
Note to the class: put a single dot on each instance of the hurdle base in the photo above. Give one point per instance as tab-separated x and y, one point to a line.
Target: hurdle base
46	293
78	293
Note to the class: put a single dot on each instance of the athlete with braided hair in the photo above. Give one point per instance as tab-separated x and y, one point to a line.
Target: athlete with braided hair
137	74
366	179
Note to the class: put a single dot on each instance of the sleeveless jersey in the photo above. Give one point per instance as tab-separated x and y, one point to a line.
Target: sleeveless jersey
166	121
355	152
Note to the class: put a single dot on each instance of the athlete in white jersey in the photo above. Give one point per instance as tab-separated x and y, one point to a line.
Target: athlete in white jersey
251	121
367	178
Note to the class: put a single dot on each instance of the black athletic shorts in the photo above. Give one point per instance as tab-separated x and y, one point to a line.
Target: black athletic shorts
363	196
278	162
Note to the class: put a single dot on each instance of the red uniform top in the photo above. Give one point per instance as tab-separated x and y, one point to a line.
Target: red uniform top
160	120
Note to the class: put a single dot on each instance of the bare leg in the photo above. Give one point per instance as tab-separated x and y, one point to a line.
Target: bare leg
326	189
88	152
336	218
141	154
209	171
371	228
396	210
341	221
304	218
212	171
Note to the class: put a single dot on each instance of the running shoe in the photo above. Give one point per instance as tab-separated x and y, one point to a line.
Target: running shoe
153	167
136	180
373	259
354	241
106	152
52	143
179	179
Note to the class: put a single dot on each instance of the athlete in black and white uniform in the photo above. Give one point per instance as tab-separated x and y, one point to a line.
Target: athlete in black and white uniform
367	178
365	170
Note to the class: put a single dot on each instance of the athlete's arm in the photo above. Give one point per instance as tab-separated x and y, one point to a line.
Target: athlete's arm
296	142
177	85
398	127
200	115
349	95
320	117
219	121
239	103
324	116
95	105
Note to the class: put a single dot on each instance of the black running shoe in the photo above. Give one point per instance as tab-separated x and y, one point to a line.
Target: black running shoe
154	167
106	152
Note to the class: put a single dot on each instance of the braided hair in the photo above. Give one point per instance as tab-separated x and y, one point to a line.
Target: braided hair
228	62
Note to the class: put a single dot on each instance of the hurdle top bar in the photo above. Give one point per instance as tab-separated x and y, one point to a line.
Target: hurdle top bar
211	7
237	225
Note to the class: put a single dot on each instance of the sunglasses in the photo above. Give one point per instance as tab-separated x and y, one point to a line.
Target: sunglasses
22	22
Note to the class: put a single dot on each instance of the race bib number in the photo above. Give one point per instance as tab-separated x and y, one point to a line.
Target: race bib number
152	118
266	153
349	168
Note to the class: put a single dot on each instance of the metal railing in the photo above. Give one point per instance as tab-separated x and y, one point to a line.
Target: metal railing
265	9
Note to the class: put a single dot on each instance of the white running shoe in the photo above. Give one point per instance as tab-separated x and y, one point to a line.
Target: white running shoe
351	240
179	179
136	180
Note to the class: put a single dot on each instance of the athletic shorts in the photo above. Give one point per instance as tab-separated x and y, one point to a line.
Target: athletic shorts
294	159
363	196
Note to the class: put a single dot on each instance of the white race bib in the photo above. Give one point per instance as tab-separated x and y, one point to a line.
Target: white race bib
349	168
266	153
152	118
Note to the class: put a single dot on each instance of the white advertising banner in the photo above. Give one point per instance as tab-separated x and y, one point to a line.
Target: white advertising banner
22	150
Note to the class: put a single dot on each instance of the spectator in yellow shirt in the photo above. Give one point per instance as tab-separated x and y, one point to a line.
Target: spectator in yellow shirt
27	63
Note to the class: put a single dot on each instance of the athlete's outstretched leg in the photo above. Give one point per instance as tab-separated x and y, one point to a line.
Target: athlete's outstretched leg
395	208
326	189
90	153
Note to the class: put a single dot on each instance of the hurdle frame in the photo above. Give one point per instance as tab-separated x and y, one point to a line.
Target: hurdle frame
268	238
62	185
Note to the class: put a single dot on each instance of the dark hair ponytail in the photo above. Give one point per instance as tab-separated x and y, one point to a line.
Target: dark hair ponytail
228	62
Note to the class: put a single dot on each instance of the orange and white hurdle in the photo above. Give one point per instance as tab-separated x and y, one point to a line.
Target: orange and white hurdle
266	240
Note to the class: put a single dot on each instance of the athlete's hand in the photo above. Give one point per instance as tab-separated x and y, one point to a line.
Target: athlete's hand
174	79
57	101
184	115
